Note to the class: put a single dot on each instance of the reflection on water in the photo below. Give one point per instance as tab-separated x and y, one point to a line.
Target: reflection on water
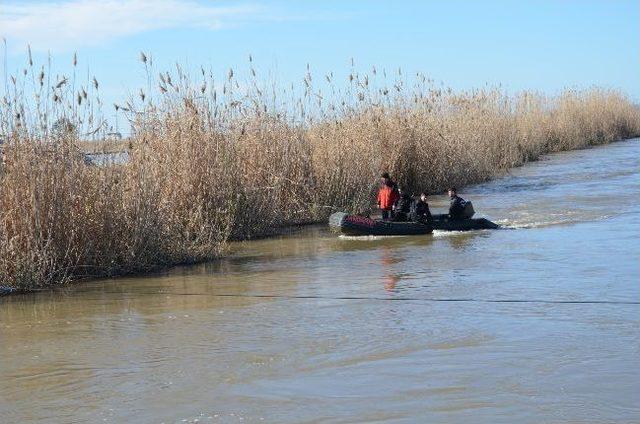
391	276
310	327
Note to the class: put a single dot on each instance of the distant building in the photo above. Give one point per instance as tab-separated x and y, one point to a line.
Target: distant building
113	136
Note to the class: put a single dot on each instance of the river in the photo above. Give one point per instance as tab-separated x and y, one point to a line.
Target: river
536	323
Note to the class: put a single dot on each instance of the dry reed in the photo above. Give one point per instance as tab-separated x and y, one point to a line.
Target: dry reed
209	161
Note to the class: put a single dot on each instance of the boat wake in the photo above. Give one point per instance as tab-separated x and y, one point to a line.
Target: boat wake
569	219
368	237
445	233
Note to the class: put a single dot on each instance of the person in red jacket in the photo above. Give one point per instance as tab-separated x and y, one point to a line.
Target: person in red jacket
387	196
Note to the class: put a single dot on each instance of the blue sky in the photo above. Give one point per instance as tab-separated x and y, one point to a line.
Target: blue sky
540	45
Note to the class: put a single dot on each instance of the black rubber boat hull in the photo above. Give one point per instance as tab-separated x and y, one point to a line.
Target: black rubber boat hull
444	223
356	225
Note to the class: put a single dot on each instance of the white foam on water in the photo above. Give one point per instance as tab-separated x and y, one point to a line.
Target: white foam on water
447	233
444	233
366	238
434	234
518	225
565	219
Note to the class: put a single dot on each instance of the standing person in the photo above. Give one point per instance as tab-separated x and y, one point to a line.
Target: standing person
457	205
385	178
387	196
421	212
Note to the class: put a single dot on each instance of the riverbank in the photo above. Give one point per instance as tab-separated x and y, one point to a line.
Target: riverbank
533	325
271	232
208	165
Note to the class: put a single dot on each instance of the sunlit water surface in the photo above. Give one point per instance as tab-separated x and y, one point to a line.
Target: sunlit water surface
539	323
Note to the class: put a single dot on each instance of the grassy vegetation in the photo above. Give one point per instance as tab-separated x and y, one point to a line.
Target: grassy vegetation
213	160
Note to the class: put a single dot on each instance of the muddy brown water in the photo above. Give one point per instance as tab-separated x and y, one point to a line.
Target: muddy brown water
538	323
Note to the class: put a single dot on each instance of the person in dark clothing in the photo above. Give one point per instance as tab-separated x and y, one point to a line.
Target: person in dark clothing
457	205
421	212
402	208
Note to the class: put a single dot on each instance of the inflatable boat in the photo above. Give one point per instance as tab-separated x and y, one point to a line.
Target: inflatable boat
357	225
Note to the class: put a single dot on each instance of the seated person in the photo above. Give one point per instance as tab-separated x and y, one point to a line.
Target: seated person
457	205
402	208
421	212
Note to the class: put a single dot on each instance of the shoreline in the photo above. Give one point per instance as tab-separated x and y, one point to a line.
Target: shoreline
202	170
283	230
274	232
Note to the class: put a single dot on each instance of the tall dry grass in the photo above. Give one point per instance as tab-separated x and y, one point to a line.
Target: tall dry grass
210	160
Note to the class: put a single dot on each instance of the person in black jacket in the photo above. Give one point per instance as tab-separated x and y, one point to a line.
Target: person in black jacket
456	207
402	207
421	212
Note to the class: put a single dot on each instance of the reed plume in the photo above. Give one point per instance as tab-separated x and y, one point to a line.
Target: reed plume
208	161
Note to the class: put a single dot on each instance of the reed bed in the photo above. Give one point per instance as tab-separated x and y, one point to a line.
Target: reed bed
213	160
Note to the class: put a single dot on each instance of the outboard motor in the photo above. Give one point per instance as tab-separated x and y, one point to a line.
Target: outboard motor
468	211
